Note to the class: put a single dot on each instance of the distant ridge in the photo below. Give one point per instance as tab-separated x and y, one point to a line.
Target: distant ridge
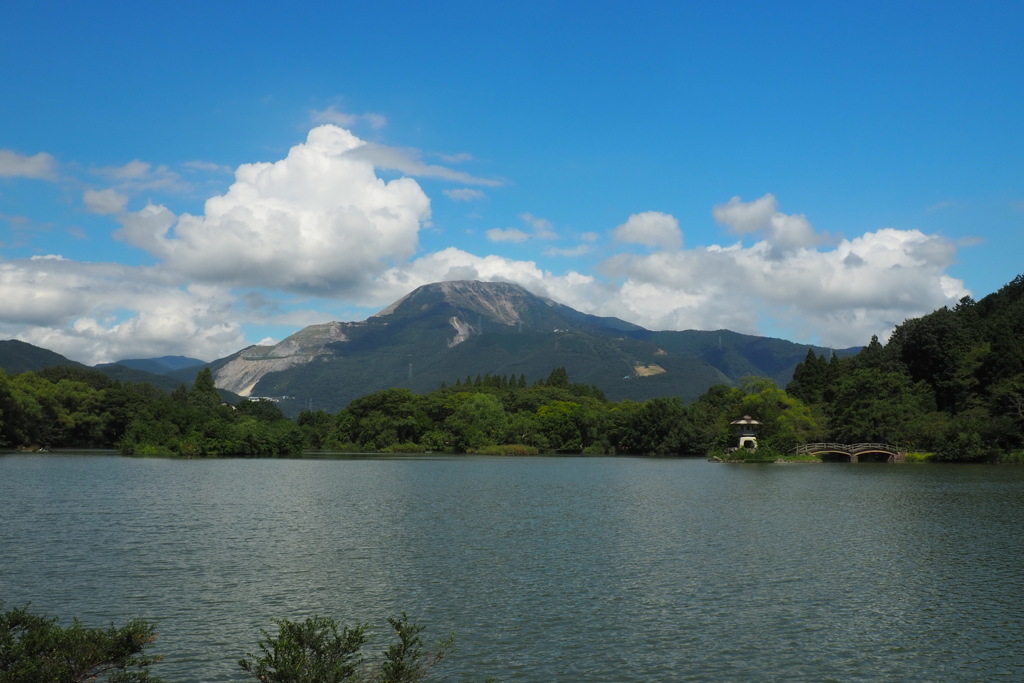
17	357
158	366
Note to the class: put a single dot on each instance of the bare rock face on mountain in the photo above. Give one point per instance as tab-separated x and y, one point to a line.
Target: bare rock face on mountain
246	368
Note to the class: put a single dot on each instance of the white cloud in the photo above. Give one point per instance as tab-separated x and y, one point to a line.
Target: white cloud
408	161
319	221
147	228
459	158
837	297
40	166
507	235
102	312
542	227
450	264
335	116
206	167
745	217
784	233
136	176
652	229
104	201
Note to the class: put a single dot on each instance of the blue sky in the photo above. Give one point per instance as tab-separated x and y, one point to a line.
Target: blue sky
190	178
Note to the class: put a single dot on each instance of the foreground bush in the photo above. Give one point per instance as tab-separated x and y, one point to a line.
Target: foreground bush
35	649
315	651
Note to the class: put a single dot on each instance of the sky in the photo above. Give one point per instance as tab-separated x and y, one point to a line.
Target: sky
190	178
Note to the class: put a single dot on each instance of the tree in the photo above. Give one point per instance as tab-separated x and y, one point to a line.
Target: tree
810	378
875	405
406	661
558	378
261	409
785	421
660	426
476	420
315	651
316	426
34	649
312	651
204	392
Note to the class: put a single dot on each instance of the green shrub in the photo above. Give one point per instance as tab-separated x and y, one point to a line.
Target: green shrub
35	649
314	651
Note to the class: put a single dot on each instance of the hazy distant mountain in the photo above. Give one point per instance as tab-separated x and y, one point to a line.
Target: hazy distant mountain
18	356
448	331
158	366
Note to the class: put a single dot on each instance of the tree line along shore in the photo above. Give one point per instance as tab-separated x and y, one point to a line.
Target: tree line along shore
948	386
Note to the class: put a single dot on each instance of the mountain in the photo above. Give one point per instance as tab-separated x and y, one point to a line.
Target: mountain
18	356
448	331
164	365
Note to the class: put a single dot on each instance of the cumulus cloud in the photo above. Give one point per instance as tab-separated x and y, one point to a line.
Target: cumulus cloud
79	310
837	297
652	229
104	201
40	166
319	220
784	233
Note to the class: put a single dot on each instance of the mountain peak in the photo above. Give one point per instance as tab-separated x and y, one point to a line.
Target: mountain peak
501	302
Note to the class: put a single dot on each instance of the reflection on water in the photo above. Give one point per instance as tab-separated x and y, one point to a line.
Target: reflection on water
568	569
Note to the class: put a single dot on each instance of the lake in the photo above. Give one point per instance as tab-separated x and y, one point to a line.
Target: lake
546	568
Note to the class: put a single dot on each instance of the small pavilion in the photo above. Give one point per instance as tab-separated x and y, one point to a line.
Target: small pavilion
746	429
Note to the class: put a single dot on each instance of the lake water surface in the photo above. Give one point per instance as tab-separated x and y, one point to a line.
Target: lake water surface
546	569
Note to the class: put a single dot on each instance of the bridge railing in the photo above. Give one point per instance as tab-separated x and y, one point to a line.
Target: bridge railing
865	447
848	449
823	446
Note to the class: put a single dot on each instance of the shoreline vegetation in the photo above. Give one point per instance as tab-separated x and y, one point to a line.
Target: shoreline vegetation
947	387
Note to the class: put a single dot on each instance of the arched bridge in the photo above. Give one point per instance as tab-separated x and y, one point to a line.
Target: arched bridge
856	452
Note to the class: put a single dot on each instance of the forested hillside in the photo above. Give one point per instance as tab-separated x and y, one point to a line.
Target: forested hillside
950	382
